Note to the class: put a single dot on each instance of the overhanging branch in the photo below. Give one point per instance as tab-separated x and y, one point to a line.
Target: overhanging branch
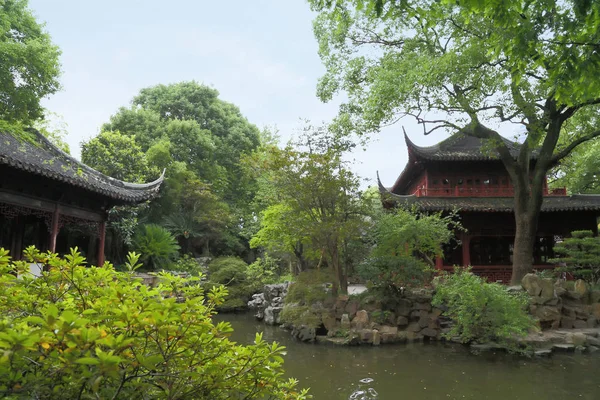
567	150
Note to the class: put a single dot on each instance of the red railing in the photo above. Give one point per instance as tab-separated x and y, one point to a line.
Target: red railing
458	191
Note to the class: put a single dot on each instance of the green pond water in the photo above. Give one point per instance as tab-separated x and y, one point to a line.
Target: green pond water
425	371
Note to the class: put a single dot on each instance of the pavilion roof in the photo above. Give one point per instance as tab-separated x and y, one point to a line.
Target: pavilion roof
458	147
32	152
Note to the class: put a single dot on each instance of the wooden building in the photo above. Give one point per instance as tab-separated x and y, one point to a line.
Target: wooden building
50	200
461	174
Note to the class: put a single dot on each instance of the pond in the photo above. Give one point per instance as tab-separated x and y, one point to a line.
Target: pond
425	371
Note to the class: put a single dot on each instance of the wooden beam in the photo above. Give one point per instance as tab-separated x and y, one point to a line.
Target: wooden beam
102	234
54	229
35	203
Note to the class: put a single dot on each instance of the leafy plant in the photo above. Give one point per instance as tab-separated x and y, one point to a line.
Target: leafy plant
405	243
481	311
157	246
580	256
78	332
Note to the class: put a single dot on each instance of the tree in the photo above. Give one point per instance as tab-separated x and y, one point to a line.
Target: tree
118	156
29	66
580	256
580	171
92	332
471	67
405	244
317	194
207	133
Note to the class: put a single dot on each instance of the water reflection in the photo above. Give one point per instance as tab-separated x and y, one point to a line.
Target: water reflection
425	372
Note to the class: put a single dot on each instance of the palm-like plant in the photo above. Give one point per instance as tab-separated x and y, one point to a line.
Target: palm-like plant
156	245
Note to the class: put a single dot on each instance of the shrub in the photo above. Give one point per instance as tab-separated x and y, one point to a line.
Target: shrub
306	298
405	245
580	256
481	311
231	272
78	332
189	264
157	246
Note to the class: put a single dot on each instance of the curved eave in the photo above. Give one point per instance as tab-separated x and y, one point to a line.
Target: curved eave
550	204
438	153
51	162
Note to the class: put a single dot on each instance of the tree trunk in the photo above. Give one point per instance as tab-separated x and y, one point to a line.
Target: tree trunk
528	203
340	281
526	227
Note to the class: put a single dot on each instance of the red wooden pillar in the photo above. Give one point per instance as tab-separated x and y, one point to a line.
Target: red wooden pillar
439	263
54	229
102	234
466	250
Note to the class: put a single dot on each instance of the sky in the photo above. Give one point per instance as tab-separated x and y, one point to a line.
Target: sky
260	55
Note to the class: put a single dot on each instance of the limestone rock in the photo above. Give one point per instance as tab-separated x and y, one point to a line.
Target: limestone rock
376	338
429	332
272	315
581	288
361	320
576	338
413	327
304	333
345	321
351	308
567	322
580	324
596	310
592	341
424	321
366	335
422	306
404	307
413	336
401	321
329	322
595	296
422	295
531	283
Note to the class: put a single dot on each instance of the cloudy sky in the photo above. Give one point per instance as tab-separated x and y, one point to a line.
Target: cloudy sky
260	55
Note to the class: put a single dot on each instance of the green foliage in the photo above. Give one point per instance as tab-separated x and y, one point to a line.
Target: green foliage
579	256
405	244
157	246
231	272
189	264
264	270
227	270
199	139
118	156
78	332
380	316
482	312
29	68
298	315
309	287
580	171
314	207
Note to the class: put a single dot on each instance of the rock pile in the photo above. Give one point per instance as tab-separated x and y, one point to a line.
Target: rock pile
562	304
269	303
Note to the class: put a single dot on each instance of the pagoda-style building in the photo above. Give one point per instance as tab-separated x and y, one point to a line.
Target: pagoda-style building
50	200
462	174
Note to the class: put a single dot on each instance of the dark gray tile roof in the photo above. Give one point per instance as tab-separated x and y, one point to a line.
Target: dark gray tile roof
38	156
578	202
460	147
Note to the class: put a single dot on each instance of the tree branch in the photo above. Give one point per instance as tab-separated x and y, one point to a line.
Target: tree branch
567	150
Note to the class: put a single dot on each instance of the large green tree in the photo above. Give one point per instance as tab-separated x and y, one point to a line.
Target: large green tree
199	139
29	66
207	133
472	67
314	202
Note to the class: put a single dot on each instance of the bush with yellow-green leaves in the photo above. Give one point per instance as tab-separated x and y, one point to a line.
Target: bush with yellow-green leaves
93	332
